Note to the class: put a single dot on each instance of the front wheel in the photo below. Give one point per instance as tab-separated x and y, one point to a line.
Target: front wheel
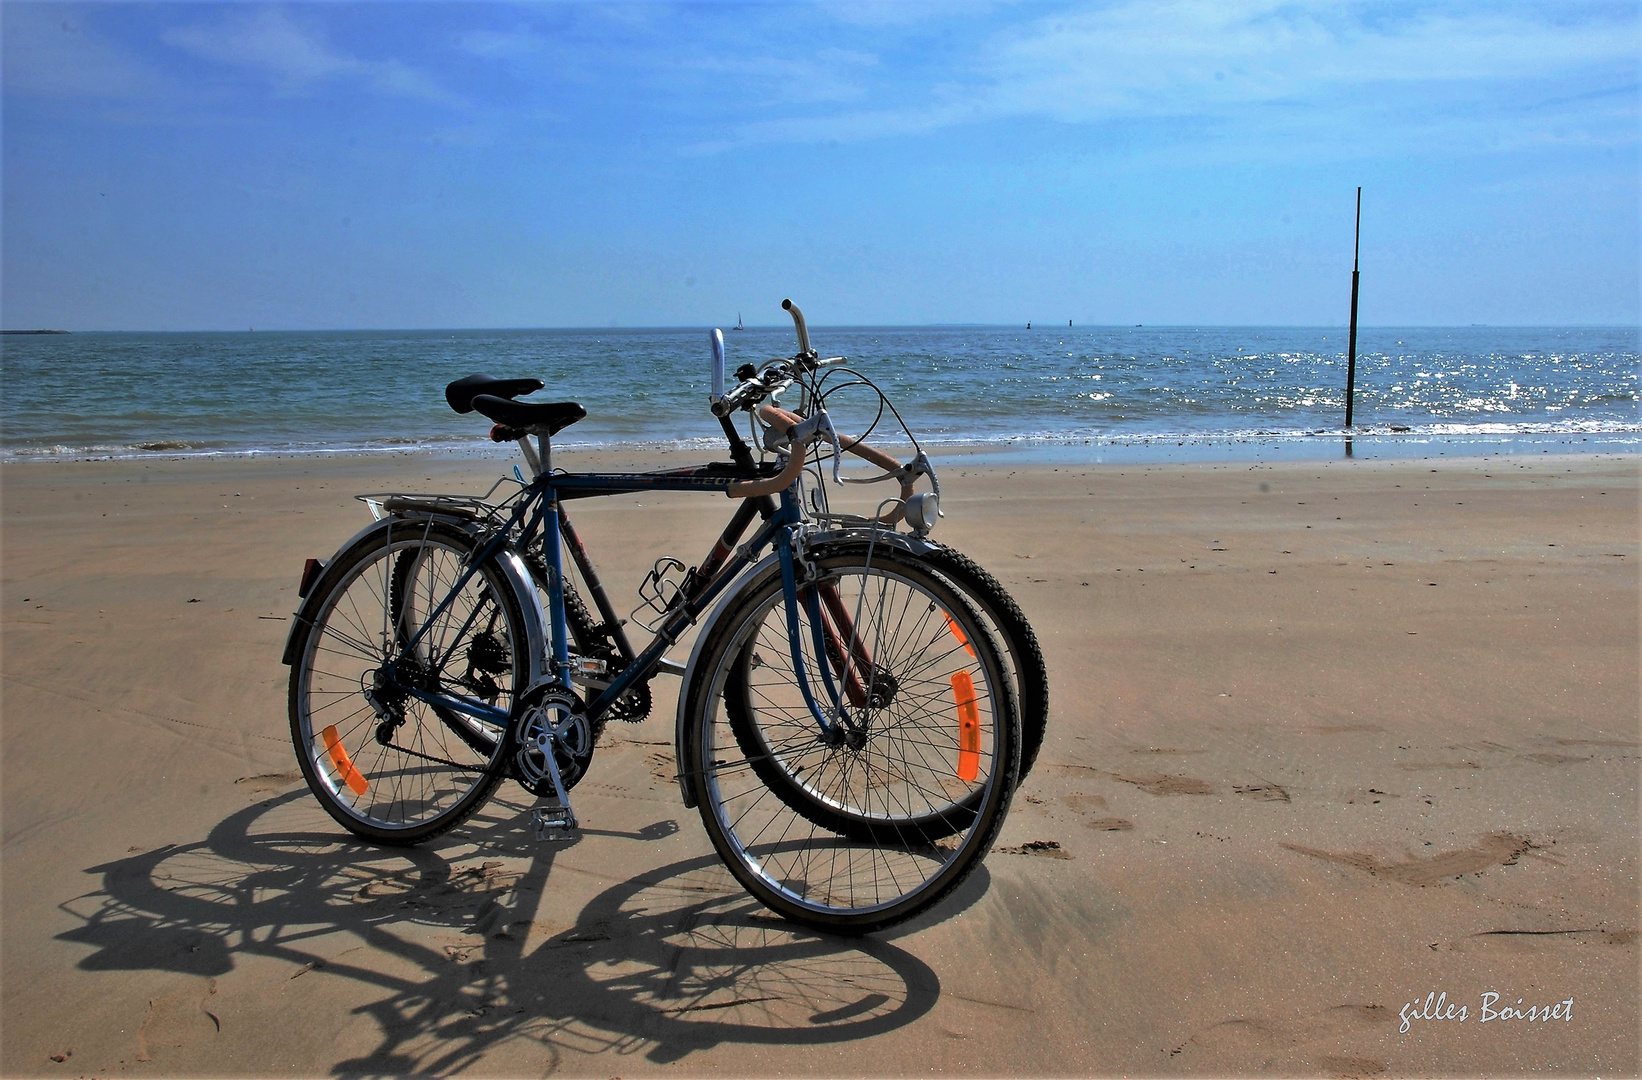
391	626
855	829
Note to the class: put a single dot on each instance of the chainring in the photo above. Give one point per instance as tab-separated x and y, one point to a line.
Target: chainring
539	710
632	706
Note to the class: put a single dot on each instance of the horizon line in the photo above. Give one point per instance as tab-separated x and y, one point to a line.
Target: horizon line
50	332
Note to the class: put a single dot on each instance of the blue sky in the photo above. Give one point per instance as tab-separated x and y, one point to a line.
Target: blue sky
204	166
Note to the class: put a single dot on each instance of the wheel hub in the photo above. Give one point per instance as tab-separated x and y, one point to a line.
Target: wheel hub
882	690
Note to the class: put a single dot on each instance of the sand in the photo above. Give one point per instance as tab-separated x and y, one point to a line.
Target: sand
1327	739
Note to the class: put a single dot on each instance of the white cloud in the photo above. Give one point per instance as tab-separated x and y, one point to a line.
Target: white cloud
1190	56
1260	62
828	75
502	43
49	51
295	58
898	12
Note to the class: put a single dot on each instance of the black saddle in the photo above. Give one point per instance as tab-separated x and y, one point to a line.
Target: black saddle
461	393
494	398
538	418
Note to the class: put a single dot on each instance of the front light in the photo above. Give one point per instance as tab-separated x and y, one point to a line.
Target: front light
921	512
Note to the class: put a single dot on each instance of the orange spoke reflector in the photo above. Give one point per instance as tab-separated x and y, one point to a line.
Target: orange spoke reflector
350	775
957	632
969	726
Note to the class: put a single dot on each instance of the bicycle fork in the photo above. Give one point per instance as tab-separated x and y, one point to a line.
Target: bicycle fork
836	644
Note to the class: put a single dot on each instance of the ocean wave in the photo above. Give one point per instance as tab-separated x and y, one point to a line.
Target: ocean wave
1627	434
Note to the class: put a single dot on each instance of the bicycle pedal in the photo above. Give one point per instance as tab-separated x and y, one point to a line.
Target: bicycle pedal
554	823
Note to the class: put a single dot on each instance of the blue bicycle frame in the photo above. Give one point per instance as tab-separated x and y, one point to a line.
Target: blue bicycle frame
539	507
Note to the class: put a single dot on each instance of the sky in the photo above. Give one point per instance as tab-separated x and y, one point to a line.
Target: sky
1183	162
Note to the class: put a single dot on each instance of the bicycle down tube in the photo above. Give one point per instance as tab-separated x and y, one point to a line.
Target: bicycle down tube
544	511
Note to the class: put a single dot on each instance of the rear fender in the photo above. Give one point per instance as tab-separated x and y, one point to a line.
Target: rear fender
380	534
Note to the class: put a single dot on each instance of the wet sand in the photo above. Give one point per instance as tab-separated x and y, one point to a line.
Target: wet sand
1327	738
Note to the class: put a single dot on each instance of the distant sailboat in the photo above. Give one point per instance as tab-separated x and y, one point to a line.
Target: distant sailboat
738	325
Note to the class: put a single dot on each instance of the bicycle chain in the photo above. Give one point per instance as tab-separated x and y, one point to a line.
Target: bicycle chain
466	766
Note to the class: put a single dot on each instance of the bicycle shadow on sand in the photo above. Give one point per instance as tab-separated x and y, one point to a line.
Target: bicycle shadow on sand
458	936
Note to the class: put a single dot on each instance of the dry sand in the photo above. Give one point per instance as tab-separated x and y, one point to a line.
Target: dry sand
1326	739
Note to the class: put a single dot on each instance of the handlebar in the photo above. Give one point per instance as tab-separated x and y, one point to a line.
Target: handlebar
782	420
796	426
718	364
793	433
751	489
754	386
798	324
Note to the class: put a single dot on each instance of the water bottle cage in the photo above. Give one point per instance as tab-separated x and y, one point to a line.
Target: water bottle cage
661	592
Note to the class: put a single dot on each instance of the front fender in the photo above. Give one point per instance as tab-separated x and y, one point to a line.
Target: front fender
771	563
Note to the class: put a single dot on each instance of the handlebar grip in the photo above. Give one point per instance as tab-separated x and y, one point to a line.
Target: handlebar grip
871	454
751	489
718	364
798	324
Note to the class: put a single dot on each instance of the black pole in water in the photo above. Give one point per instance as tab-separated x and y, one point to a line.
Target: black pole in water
1351	347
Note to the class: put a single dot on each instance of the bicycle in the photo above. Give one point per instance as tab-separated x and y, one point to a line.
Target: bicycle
847	725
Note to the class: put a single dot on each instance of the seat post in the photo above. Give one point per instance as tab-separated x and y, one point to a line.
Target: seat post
531	457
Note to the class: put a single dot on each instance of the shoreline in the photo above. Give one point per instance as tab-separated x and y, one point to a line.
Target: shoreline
1137	449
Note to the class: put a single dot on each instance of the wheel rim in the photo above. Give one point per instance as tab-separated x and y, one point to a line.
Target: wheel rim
418	764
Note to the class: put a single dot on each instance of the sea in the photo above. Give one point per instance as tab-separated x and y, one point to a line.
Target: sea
1092	393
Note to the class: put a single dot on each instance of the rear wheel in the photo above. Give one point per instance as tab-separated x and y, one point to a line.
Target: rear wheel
1017	650
383	762
1018	641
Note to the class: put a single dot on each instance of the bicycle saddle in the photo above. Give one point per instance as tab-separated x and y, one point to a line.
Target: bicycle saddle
460	394
544	417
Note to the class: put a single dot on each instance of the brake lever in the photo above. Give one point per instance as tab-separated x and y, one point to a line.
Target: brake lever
921	465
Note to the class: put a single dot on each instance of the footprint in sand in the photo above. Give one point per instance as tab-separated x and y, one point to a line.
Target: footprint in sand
1265	792
1167	785
1286	1044
1495	849
1085	803
262	782
1046	849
